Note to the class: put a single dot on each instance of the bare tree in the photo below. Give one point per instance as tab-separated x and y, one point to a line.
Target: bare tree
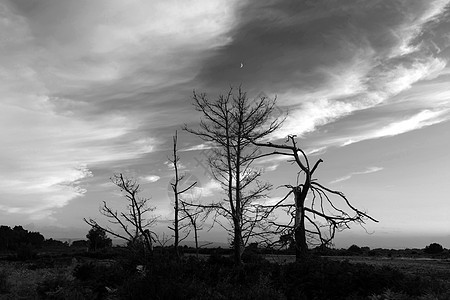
317	212
135	222
196	216
230	123
178	191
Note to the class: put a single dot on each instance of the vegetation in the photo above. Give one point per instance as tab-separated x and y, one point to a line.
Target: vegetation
112	273
230	123
318	217
97	239
178	207
138	236
434	248
35	268
17	238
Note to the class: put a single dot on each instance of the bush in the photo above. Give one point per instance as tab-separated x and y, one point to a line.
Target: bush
433	248
4	283
354	249
52	288
97	239
252	256
25	252
217	278
84	271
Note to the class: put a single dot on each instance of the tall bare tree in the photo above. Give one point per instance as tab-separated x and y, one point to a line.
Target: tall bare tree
317	212
230	123
178	190
135	222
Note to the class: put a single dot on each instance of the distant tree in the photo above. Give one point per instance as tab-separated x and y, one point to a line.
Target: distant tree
315	214
433	248
6	238
97	239
229	123
136	216
354	249
80	244
54	243
11	239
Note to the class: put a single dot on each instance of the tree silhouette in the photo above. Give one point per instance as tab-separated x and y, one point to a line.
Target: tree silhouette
178	192
196	217
133	223
97	239
12	239
317	212
229	123
433	248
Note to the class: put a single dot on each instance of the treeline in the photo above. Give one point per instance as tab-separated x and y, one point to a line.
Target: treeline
12	239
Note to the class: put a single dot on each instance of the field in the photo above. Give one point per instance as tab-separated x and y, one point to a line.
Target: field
436	268
77	276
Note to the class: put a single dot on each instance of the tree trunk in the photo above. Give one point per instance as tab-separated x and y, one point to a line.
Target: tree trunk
196	239
301	246
176	242
148	242
237	244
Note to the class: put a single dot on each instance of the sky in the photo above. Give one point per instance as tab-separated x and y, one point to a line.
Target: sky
92	88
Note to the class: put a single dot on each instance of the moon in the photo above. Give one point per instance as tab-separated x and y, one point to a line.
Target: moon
242	65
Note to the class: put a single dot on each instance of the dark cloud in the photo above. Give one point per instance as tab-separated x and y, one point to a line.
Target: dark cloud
288	44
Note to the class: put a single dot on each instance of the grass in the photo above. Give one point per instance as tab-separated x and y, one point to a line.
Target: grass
106	276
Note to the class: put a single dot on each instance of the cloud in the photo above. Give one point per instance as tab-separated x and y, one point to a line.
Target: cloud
328	62
78	80
151	178
171	166
268	201
199	147
420	120
271	168
367	171
211	188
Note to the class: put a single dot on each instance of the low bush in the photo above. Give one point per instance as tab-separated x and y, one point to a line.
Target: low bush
433	248
164	277
4	283
314	278
25	252
84	271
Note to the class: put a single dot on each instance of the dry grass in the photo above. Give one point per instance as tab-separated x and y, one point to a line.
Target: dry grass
23	279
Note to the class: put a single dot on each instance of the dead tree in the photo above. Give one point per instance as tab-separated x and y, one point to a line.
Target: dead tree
317	212
178	191
133	224
230	123
196	217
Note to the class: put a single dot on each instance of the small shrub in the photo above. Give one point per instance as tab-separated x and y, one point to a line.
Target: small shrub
218	259
52	288
84	271
354	249
252	256
25	252
4	283
433	248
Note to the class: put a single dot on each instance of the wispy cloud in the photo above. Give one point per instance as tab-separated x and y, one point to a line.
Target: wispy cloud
199	147
420	120
272	167
211	188
77	82
367	171
336	61
151	178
